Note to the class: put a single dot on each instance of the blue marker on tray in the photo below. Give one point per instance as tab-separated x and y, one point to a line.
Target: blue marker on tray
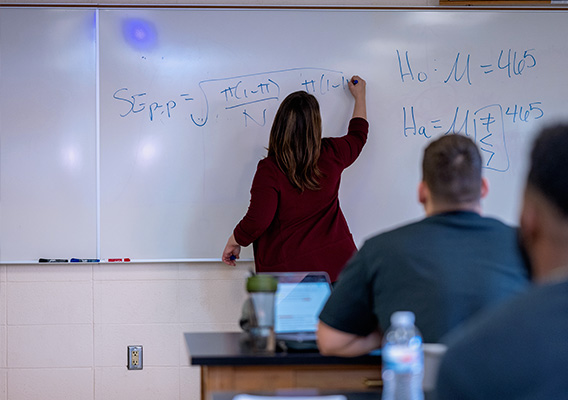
84	260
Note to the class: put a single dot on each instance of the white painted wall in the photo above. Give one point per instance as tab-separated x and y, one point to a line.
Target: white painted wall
64	329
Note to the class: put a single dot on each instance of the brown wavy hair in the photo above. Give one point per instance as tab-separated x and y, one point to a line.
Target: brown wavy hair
295	140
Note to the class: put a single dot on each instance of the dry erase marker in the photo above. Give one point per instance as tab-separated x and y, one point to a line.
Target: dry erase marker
118	260
84	260
52	260
355	81
233	257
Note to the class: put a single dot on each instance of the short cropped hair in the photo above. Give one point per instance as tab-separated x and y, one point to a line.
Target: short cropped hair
451	168
549	165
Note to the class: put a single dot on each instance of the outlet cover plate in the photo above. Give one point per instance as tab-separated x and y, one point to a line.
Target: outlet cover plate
134	357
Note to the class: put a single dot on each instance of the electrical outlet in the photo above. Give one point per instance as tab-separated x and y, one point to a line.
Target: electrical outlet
134	356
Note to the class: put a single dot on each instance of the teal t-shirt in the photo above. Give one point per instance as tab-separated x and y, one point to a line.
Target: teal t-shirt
444	268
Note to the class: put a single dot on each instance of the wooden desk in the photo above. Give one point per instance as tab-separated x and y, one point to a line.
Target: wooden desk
227	365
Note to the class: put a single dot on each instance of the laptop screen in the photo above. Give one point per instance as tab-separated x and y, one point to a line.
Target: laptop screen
299	300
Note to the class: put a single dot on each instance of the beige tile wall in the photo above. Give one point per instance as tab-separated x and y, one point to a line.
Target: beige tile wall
64	329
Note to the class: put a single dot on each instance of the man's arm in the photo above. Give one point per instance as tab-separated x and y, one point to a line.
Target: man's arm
333	342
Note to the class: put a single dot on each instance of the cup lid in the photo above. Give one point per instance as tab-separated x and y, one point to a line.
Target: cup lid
262	283
402	318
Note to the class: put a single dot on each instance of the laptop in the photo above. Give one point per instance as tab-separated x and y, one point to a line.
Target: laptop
299	300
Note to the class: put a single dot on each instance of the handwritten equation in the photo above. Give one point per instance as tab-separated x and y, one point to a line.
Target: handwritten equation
251	95
510	62
485	125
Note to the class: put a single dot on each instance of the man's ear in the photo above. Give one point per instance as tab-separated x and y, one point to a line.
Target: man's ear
529	221
484	187
423	193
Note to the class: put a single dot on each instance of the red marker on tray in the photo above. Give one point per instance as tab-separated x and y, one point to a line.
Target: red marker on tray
118	260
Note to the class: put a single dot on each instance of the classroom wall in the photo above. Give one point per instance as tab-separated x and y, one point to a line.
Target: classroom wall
64	329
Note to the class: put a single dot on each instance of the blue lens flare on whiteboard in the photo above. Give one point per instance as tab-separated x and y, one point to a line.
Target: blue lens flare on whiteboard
140	34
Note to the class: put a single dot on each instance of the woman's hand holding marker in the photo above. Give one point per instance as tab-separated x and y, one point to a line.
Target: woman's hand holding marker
231	252
357	87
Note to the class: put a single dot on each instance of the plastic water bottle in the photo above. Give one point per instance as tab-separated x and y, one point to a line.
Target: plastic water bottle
403	359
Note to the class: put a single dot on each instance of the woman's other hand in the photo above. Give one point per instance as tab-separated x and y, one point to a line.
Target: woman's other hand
231	252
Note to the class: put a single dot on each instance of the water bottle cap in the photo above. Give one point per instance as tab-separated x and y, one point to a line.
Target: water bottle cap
262	283
402	318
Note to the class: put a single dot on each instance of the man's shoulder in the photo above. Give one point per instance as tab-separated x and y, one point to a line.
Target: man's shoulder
492	221
503	339
438	221
470	220
519	315
435	231
394	233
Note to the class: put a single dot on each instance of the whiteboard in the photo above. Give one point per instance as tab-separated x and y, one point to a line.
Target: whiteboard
186	98
47	134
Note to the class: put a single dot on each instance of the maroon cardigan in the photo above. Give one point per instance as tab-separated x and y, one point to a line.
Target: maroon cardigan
307	231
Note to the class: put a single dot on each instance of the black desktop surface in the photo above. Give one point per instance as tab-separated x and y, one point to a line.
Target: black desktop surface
227	348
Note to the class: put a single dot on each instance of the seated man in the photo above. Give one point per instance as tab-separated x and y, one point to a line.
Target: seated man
444	268
518	350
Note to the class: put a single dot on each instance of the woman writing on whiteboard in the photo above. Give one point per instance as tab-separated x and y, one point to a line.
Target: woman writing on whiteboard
294	220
